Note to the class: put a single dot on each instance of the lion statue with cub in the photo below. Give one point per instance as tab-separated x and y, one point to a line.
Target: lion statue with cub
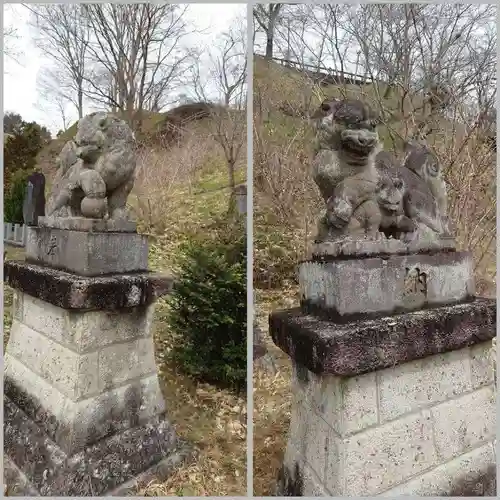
367	194
96	170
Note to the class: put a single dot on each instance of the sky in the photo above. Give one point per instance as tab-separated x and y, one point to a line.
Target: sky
20	77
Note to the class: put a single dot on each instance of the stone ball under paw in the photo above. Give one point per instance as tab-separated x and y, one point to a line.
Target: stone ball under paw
94	208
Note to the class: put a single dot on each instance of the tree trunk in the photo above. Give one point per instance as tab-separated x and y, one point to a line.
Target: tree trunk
80	102
269	43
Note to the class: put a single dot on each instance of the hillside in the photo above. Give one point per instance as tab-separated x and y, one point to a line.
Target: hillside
154	128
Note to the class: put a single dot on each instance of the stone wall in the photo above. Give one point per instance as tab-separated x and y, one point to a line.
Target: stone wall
413	429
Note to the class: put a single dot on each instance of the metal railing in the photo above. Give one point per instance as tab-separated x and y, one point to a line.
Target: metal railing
324	73
14	234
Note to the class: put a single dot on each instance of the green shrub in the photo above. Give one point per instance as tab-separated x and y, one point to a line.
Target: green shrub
13	201
208	308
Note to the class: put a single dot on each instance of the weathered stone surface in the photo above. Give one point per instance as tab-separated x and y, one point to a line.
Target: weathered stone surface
464	423
87	253
75	422
98	469
92	225
471	474
482	358
348	405
78	375
368	345
96	170
71	291
360	248
374	286
71	374
386	456
423	383
83	331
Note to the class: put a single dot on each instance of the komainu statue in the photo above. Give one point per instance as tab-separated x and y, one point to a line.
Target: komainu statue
367	192
344	170
96	170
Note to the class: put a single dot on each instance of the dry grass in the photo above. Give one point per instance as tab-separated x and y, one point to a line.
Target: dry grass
213	420
271	397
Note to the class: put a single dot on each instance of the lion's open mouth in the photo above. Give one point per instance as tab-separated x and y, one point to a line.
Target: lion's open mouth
391	207
359	142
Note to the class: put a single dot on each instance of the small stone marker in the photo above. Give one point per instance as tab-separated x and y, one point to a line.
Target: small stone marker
241	198
34	200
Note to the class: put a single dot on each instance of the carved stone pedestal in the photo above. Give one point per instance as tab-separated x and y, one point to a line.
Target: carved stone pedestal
399	404
83	410
351	287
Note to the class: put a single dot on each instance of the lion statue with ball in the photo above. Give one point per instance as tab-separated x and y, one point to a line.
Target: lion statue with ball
96	170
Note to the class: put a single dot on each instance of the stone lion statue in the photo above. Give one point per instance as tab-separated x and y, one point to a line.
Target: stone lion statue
344	169
96	170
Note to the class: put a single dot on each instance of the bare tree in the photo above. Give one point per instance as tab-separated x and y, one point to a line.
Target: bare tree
229	64
63	36
137	49
226	75
10	35
266	17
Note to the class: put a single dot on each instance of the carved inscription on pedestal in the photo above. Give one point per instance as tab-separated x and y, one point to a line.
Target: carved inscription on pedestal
51	246
415	287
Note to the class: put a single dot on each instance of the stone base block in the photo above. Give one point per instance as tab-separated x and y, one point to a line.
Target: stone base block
85	224
34	465
87	253
81	375
71	291
361	248
425	427
343	288
363	346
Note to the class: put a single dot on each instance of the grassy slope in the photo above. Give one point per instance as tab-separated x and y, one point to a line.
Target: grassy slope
283	89
213	420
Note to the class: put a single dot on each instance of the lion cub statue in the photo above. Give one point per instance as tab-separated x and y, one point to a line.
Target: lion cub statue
96	170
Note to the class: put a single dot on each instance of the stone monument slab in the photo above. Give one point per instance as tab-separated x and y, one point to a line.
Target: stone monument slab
363	346
34	199
71	291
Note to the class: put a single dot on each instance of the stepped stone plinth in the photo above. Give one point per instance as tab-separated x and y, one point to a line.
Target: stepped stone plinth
84	414
393	385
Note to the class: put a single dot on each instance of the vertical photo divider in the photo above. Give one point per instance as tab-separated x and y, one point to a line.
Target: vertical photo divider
249	225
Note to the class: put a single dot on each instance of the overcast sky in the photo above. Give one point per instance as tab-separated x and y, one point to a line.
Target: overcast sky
20	78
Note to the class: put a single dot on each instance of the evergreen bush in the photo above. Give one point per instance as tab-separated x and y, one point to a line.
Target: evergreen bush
14	198
208	308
